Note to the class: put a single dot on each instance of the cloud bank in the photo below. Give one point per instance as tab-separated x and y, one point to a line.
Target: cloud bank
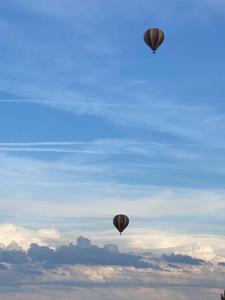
205	246
85	270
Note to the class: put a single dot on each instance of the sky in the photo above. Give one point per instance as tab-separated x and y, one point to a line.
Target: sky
92	124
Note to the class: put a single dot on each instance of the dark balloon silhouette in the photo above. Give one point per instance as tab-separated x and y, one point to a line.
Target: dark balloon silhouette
120	222
154	37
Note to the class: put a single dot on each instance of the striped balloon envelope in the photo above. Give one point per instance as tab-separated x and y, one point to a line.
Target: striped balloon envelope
120	222
154	37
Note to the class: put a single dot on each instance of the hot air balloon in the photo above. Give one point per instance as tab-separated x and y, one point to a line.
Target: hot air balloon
154	37
120	222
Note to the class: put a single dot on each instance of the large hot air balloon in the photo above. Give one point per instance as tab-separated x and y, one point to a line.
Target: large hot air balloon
154	37
120	222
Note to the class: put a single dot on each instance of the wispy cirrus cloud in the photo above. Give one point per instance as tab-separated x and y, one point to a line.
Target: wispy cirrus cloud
136	103
91	176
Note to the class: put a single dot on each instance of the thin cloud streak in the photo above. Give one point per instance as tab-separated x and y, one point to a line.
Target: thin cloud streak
100	142
114	143
13	149
165	118
65	102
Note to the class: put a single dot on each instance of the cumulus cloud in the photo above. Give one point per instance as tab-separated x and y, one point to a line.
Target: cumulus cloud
202	250
24	236
182	259
139	240
84	253
92	255
85	270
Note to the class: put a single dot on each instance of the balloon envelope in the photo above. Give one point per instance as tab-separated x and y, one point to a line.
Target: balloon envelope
120	222
154	37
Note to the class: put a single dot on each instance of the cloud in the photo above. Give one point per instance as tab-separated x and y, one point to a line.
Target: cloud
182	259
94	147
131	97
84	270
91	255
24	237
13	257
82	253
119	293
166	118
198	246
123	282
109	182
140	104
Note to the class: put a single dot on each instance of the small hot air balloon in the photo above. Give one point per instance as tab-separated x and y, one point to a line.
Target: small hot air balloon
154	37
120	222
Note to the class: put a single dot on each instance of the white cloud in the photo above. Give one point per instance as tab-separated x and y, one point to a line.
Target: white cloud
203	246
137	109
203	251
68	187
24	237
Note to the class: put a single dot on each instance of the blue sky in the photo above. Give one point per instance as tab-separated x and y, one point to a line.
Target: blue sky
92	124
